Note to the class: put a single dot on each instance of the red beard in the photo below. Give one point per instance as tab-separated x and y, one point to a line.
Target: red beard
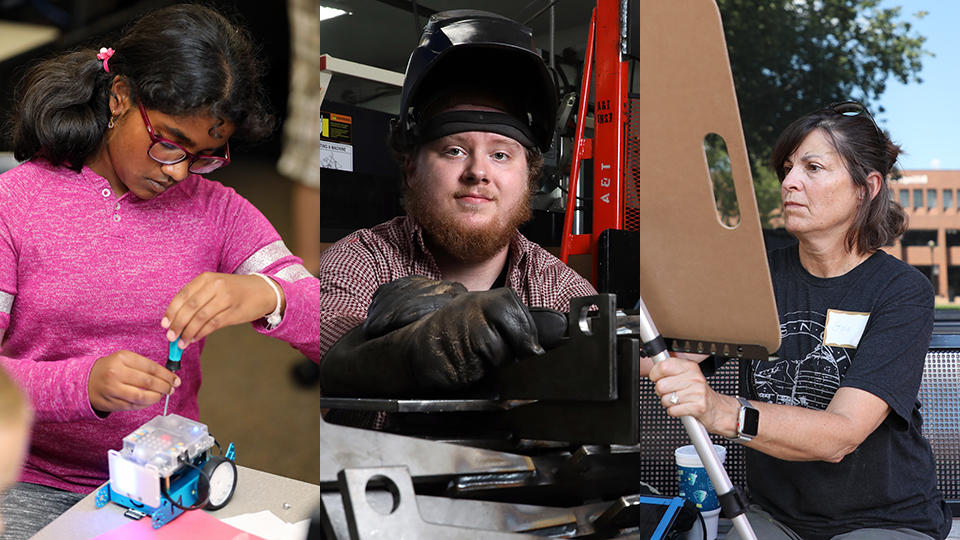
465	243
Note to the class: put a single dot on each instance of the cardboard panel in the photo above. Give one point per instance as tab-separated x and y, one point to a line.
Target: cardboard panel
699	279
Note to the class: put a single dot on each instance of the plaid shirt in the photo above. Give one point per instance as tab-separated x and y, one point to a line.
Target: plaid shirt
354	267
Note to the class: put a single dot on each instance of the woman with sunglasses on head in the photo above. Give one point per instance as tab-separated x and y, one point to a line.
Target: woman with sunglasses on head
831	426
113	246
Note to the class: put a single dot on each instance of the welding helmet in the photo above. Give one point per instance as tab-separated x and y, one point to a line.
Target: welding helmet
481	53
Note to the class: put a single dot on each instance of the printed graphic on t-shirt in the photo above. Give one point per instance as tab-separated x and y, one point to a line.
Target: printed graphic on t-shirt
810	381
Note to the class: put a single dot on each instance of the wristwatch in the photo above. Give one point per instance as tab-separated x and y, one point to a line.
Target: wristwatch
747	421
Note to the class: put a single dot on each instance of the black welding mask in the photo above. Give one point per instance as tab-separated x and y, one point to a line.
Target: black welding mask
476	53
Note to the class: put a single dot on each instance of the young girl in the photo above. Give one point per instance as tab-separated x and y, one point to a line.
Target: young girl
112	245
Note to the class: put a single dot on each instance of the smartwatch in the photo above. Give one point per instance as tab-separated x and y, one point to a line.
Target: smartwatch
747	421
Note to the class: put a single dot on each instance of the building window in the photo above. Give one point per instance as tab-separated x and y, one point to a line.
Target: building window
947	199
917	198
919	237
905	198
953	240
931	199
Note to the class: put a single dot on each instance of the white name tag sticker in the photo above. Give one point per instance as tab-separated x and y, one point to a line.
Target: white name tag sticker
844	328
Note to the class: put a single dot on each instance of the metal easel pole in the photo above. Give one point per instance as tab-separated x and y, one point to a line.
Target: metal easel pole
731	499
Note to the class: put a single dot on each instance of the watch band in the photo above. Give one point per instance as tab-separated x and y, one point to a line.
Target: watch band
748	420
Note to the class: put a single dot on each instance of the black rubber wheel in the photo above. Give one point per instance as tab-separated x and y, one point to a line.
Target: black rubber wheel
223	481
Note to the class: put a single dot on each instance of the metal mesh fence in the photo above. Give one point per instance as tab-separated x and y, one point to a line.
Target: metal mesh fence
940	396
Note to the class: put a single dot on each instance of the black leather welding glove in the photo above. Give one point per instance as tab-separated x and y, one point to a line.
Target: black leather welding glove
551	326
405	300
448	349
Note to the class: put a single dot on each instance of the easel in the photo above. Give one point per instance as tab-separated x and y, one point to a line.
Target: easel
650	176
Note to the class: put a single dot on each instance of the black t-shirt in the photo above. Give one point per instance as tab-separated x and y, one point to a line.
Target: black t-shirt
868	329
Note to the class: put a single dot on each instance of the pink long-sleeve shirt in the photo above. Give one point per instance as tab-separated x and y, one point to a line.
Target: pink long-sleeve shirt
84	274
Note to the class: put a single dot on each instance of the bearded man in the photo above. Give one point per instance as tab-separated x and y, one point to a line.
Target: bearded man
431	301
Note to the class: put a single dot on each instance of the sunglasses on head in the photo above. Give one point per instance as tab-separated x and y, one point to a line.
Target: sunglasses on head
852	108
168	152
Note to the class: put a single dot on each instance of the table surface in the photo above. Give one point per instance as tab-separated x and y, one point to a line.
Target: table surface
16	37
290	500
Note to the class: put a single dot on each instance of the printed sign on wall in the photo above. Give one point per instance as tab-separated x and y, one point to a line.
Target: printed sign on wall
337	153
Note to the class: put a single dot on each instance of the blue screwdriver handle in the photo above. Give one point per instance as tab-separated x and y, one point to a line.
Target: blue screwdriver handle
173	358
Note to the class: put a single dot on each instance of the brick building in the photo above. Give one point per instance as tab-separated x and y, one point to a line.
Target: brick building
932	243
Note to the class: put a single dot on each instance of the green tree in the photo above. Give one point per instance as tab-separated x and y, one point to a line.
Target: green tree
790	57
765	184
721	173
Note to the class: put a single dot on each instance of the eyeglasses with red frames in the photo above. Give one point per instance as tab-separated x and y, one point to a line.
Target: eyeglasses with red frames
168	152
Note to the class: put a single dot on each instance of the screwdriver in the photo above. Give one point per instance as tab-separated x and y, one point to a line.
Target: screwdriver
173	364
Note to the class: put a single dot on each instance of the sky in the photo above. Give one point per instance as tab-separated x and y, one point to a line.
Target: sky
925	118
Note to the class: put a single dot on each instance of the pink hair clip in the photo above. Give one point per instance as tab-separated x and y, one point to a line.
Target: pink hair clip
105	54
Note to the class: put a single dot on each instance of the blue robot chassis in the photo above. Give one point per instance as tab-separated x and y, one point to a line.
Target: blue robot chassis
165	468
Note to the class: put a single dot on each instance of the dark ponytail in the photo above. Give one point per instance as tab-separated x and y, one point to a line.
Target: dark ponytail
183	60
62	109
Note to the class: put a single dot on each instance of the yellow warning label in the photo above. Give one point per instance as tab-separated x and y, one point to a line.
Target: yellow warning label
337	128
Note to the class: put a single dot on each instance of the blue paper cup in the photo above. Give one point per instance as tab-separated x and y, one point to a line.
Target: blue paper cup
694	482
696	487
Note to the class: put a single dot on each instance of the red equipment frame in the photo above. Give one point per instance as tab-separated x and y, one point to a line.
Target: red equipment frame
607	146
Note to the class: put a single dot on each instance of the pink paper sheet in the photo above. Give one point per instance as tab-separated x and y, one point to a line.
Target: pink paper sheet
187	526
